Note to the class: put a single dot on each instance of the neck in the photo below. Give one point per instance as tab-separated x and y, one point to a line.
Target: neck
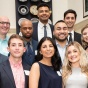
76	65
62	44
44	22
70	29
46	61
2	37
15	60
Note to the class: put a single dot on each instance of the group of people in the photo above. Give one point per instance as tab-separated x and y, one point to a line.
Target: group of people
46	55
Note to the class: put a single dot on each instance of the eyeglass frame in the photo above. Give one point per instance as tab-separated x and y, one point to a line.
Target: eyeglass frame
7	23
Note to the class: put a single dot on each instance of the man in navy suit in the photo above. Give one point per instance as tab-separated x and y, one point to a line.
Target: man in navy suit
43	15
26	28
3	58
70	19
13	73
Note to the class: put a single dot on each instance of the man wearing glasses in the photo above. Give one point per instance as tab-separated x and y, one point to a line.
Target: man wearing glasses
4	28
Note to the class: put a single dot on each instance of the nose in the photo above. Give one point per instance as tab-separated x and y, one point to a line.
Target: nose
48	48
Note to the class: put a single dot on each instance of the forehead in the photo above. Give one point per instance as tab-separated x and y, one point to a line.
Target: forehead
4	19
61	24
70	15
15	41
46	42
85	30
43	8
28	23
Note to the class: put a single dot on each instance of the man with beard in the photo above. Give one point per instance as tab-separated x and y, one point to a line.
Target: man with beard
26	29
70	19
60	34
42	28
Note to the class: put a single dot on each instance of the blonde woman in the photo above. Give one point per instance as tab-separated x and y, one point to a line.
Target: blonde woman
75	67
84	38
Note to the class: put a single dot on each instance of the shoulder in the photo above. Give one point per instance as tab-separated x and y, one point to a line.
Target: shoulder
35	24
77	33
34	41
35	66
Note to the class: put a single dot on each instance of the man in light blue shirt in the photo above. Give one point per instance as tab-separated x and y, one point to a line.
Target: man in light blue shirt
4	28
60	34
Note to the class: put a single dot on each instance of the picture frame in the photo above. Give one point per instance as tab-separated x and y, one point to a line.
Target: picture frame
85	8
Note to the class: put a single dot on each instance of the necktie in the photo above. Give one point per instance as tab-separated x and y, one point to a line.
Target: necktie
45	32
29	48
70	37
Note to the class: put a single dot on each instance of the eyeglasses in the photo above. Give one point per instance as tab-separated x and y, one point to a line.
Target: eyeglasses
7	23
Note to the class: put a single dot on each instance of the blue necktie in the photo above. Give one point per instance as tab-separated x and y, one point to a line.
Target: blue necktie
45	32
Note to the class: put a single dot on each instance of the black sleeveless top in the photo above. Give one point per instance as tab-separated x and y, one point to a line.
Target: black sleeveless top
48	77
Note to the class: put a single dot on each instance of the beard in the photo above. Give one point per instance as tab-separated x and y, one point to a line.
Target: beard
61	40
27	37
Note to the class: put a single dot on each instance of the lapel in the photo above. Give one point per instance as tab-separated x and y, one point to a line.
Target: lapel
8	71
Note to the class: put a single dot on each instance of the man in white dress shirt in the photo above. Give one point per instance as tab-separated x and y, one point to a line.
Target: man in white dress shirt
70	19
60	34
43	15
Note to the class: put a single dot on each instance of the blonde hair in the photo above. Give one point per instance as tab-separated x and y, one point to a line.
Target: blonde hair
84	43
67	68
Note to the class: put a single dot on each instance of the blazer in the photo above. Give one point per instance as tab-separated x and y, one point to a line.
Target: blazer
28	58
35	30
6	75
3	58
77	37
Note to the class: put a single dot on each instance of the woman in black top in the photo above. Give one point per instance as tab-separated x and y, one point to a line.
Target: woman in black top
45	73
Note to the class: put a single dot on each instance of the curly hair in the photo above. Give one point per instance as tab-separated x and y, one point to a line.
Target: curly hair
67	68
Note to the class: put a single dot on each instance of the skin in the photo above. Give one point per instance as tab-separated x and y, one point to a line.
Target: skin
73	56
4	28
85	35
26	29
43	14
70	21
16	49
47	50
61	33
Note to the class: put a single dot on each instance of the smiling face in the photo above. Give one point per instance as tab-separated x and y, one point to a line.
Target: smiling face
60	31
73	55
47	49
4	25
85	35
16	48
43	14
70	20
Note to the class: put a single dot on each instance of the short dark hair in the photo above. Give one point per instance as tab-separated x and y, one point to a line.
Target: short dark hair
43	5
15	36
55	60
59	22
70	11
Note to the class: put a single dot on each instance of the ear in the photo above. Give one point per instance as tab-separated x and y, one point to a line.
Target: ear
8	49
40	52
25	49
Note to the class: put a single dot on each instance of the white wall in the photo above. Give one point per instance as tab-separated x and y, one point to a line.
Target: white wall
7	8
77	5
59	7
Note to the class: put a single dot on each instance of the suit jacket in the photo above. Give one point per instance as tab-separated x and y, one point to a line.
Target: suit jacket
35	30
3	58
6	75
27	57
77	37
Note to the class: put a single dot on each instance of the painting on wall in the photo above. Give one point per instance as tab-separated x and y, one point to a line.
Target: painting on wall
85	8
